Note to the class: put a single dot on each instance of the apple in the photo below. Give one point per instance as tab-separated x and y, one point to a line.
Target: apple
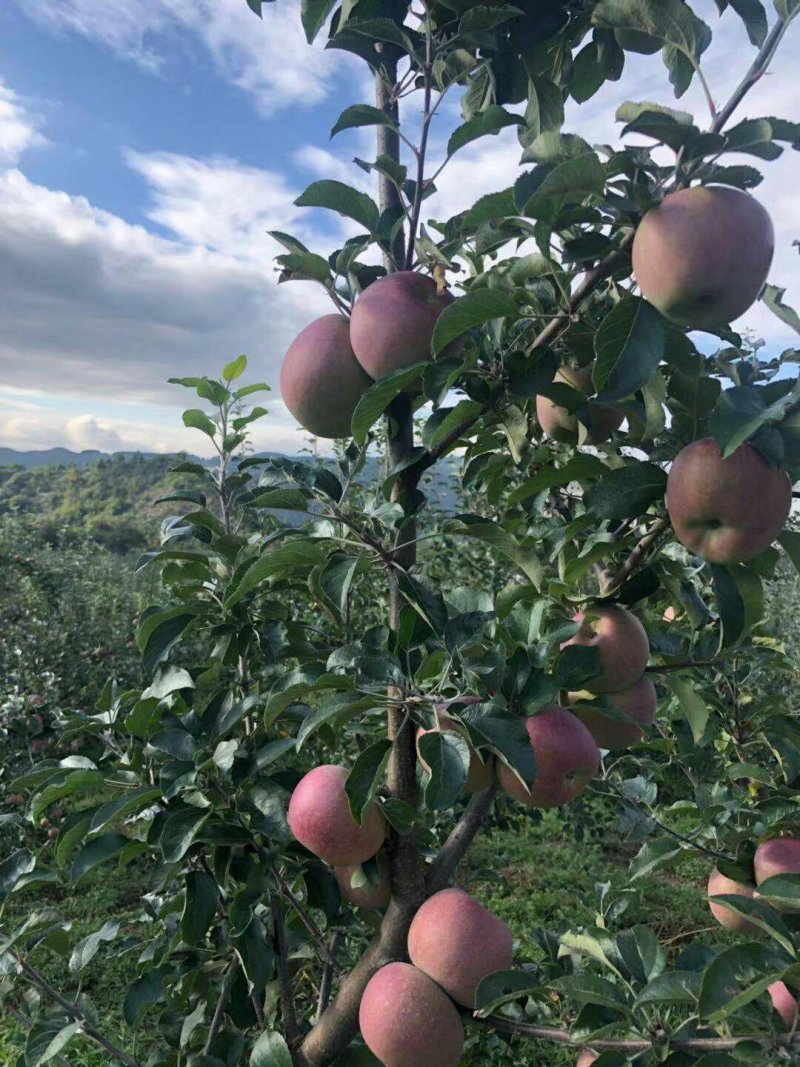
393	320
406	1020
481	771
638	703
702	256
560	424
321	380
586	1058
780	855
319	817
783	1002
457	943
567	759
374	895
726	510
621	641
719	885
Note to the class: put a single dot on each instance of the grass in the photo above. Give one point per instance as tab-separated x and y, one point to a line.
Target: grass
529	873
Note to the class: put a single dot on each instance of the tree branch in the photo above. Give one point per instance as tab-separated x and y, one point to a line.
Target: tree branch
327	976
222	1003
461	837
290	1029
695	1044
74	1012
612	583
754	74
387	140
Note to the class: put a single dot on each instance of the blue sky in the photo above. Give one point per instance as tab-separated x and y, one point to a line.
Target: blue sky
144	151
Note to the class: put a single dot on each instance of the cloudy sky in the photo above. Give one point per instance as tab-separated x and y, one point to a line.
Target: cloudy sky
146	147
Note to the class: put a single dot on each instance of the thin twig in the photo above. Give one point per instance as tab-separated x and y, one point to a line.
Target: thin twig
695	1044
222	1003
327	975
754	74
74	1012
290	1029
26	1024
612	583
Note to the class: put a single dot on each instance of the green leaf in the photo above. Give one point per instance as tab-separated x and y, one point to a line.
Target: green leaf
337	576
526	558
582	467
48	1037
629	346
787	9
365	776
66	785
491	121
543	193
179	831
343	199
736	977
474	309
270	1050
304	266
692	704
754	16
256	955
169	679
123	806
235	369
176	743
313	14
789	541
362	115
505	732
592	989
13	868
87	948
670	22
146	990
379	396
677	987
782	891
94	854
653	854
426	601
502	987
446	757
627	492
773	298
199	908
730	605
198	420
159	631
492	206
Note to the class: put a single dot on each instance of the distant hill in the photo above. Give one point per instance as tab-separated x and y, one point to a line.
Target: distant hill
62	457
109	497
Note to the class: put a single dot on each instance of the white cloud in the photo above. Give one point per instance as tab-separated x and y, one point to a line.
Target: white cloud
269	60
95	304
18	128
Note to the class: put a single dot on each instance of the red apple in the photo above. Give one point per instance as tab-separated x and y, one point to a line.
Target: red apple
621	641
393	320
783	1002
719	885
457	943
559	423
406	1020
638	703
321	380
567	759
726	510
319	817
702	256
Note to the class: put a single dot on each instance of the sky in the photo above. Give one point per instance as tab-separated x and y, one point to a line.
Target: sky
145	150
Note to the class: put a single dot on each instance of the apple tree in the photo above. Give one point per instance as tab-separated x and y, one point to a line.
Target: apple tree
336	703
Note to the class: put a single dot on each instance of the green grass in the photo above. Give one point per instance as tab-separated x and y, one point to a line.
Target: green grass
530	874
